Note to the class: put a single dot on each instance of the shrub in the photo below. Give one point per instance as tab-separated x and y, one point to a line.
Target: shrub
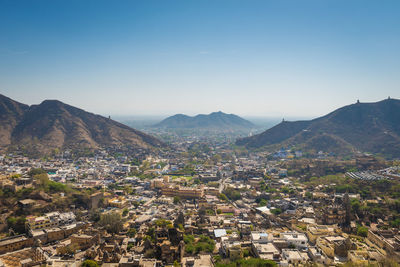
89	263
362	231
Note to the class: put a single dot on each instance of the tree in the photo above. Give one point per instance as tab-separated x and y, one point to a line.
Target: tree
95	216
246	253
68	250
189	249
125	212
17	224
176	199
355	205
250	262
42	178
232	193
32	172
89	263
309	195
255	262
362	231
131	232
204	243
149	253
163	223
136	203
128	190
285	189
276	211
223	197
262	203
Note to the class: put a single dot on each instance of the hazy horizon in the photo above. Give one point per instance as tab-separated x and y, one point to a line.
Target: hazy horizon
255	58
161	115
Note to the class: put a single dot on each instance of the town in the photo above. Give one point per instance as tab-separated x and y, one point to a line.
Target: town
201	203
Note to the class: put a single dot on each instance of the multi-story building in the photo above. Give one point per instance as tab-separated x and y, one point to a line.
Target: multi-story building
49	220
184	192
35	222
299	240
13	243
315	231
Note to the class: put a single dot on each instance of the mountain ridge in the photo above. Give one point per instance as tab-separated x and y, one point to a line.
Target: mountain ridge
214	120
54	124
366	127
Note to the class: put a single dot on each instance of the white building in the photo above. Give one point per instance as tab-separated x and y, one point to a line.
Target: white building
296	239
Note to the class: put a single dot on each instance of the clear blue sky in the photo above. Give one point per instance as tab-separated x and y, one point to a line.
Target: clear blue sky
268	58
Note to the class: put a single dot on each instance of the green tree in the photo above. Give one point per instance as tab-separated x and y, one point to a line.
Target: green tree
223	197
262	203
309	195
131	232
125	212
246	253
232	193
276	211
189	249
35	171
362	231
255	262
355	205
89	263
17	224
67	250
42	178
250	262
163	223
176	199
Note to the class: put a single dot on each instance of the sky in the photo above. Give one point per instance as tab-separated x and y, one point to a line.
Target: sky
253	58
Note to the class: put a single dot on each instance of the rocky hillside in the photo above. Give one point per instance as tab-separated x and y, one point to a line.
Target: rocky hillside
53	124
365	127
11	113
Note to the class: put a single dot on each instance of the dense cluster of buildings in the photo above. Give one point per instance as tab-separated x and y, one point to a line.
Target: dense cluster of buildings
194	209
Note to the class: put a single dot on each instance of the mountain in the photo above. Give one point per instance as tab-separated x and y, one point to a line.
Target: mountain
11	112
53	124
215	120
365	127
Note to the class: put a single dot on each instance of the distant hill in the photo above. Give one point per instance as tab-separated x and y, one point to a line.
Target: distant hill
53	124
215	120
365	127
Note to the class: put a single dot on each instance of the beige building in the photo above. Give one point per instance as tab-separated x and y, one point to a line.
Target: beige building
315	231
14	243
327	244
183	192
